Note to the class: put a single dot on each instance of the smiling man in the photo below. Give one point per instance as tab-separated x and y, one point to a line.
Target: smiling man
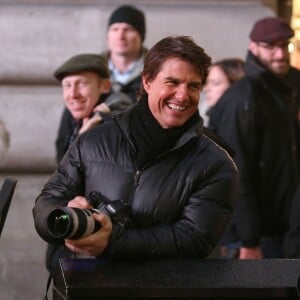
178	184
84	78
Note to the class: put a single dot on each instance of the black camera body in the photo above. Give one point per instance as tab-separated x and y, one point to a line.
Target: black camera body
74	223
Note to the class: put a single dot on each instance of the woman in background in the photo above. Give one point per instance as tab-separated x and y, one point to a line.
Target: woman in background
222	75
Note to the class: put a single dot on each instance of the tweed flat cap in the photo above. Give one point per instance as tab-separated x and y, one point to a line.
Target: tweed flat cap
82	63
271	30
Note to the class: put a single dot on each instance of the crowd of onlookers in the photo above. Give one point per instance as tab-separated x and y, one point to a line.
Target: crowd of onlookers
253	106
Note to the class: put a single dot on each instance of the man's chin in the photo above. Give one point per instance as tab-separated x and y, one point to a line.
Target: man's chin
280	69
122	51
77	116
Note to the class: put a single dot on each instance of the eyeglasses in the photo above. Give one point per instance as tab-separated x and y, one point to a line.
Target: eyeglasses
274	47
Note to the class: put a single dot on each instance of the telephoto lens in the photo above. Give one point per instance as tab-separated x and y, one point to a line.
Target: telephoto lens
71	223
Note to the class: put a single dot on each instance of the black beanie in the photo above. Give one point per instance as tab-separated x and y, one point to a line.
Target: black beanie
130	15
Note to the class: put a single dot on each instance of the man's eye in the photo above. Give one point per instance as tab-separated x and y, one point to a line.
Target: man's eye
129	30
196	87
170	82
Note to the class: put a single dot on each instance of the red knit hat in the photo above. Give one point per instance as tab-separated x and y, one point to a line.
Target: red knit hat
271	30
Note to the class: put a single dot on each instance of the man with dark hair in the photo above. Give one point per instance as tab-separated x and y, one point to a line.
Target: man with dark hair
178	185
258	118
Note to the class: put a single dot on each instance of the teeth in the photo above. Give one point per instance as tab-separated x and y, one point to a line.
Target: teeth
177	107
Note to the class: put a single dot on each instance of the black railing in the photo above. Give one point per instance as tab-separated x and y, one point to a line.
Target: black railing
176	279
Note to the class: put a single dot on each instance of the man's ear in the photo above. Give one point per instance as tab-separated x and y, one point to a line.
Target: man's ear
105	86
146	84
253	48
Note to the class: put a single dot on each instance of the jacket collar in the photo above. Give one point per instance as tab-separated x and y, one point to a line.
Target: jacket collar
258	72
123	122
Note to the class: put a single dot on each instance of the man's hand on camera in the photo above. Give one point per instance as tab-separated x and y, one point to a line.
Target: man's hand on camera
95	243
79	202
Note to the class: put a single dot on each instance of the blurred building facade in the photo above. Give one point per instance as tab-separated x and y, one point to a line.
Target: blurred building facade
36	37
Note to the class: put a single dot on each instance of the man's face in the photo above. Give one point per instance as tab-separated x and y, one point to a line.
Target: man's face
275	57
124	40
81	93
173	95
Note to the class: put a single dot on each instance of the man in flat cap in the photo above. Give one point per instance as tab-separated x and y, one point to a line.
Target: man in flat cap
84	79
258	117
126	31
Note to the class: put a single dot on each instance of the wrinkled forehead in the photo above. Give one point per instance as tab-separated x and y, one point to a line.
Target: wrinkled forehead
171	61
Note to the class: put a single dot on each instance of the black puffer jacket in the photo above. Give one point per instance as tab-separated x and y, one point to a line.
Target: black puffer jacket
68	131
257	117
180	202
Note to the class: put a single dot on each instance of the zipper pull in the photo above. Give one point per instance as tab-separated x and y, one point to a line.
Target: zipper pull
137	177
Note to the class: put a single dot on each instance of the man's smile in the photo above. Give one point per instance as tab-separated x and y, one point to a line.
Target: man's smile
176	107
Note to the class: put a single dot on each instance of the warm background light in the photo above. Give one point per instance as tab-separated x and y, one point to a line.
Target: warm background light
295	22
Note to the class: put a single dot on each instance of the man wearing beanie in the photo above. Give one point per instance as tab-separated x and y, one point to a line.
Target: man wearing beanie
125	55
258	117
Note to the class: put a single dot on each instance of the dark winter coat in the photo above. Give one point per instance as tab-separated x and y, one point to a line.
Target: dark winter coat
68	131
132	86
257	117
292	237
180	201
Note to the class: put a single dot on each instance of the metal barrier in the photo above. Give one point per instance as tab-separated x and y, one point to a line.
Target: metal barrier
6	194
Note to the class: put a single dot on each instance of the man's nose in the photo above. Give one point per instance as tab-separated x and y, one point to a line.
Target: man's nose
280	52
121	33
74	91
182	92
206	88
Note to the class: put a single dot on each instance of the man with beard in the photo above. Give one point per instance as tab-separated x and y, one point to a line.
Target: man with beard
257	117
